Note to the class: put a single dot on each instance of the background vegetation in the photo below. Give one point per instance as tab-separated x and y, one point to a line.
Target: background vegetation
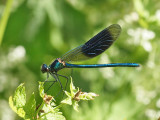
38	31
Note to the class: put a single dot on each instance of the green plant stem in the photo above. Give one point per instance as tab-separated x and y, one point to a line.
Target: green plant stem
59	106
40	107
44	115
4	19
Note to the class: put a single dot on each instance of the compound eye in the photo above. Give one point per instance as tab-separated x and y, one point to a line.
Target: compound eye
44	68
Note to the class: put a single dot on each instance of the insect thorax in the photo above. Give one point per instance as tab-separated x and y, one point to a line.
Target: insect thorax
56	66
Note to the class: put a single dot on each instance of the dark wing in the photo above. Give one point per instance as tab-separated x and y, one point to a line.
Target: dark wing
95	46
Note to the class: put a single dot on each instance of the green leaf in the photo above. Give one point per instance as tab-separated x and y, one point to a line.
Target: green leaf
46	98
30	107
20	96
17	102
41	89
50	113
72	88
75	105
70	96
67	93
87	96
67	101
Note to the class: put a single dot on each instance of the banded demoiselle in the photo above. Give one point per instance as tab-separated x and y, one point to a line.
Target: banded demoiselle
94	47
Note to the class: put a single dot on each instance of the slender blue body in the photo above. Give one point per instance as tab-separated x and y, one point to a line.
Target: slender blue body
67	65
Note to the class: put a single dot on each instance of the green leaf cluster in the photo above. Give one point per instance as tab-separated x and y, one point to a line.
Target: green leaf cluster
47	110
76	95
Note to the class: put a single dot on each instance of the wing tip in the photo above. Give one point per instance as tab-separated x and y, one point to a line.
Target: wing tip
115	26
114	30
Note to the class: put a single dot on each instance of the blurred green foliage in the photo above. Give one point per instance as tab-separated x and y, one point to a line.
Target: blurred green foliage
39	31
